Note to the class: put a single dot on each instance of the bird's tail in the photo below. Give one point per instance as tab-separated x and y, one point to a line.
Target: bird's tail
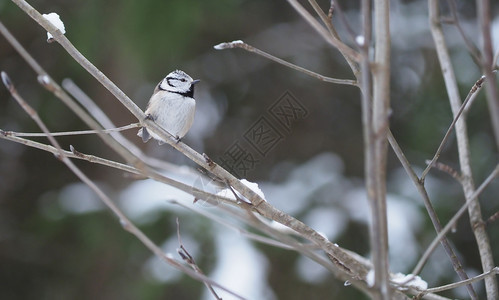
144	134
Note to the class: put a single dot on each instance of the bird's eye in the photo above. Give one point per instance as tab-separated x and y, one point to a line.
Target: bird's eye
183	80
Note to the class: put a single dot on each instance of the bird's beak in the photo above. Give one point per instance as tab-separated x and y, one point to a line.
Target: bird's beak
195	81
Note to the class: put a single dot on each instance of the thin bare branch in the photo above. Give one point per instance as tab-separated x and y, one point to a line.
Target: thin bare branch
446	169
495	64
344	20
343	48
492	272
492	218
483	11
187	257
472	49
327	20
366	101
324	18
249	48
70	133
376	169
378	238
462	109
474	96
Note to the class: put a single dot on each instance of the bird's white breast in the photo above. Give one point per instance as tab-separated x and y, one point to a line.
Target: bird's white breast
173	112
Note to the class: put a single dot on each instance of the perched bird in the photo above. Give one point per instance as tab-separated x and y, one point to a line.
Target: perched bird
171	106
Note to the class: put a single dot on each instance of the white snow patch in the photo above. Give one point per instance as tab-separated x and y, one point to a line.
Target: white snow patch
56	21
370	278
416	281
360	40
281	228
227	193
222	46
399	278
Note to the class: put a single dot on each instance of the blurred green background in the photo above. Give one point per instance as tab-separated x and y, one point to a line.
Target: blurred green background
57	242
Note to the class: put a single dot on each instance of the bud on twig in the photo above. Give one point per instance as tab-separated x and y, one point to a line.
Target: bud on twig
7	82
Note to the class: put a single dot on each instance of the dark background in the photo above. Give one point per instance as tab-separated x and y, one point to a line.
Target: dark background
48	251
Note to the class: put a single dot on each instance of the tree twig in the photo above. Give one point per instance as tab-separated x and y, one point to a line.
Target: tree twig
376	176
492	218
327	20
462	109
483	11
187	257
492	272
70	133
447	169
495	64
344	20
472	49
324	18
249	48
343	48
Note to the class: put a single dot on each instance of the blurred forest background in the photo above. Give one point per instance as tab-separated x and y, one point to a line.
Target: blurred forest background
58	242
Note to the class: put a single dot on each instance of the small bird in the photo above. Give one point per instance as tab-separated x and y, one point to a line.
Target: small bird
172	106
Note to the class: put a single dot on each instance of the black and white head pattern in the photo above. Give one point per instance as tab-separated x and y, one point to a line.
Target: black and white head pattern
178	82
